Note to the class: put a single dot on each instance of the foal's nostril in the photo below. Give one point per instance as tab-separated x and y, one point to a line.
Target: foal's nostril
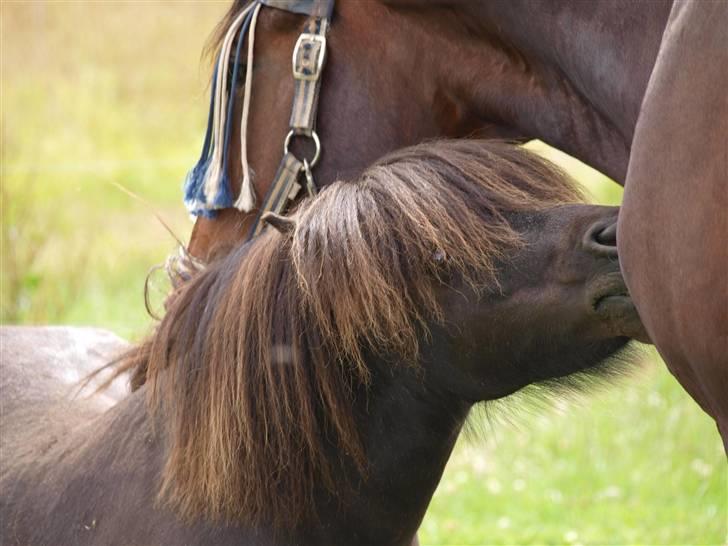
607	236
602	239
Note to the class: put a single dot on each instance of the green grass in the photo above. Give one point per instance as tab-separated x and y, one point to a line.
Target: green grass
101	93
95	94
635	463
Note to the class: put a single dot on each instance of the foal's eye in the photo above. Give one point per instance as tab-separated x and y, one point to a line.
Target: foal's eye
441	266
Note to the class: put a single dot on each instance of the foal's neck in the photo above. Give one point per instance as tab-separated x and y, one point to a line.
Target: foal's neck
409	433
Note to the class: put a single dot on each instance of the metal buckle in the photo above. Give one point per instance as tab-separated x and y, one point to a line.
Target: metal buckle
305	66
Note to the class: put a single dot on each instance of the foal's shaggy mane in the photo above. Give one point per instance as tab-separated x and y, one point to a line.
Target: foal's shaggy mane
259	364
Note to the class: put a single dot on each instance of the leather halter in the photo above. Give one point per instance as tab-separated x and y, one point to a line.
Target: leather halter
309	56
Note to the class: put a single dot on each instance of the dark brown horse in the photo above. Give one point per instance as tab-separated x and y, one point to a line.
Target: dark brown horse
571	73
308	388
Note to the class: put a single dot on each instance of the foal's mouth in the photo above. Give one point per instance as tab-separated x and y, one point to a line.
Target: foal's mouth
611	302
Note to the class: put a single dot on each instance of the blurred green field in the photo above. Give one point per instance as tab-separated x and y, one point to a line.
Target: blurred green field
94	94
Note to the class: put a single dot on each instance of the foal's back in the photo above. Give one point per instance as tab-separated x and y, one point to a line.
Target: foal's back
80	469
41	370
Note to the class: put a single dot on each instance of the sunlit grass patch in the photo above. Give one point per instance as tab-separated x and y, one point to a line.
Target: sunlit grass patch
95	95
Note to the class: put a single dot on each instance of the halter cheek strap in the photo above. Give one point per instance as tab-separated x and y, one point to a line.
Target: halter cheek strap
309	56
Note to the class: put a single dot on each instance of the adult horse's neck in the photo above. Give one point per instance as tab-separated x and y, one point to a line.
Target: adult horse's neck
597	58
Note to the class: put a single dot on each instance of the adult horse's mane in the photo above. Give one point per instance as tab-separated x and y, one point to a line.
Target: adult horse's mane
259	365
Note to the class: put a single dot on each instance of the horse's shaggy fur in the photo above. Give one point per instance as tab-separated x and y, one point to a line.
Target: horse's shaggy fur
259	362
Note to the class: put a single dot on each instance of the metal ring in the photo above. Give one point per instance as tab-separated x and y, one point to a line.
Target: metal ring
316	141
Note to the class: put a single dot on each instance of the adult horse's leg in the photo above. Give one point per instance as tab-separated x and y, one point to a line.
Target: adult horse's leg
674	220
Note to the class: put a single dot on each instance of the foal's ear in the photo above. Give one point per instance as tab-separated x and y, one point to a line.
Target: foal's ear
282	224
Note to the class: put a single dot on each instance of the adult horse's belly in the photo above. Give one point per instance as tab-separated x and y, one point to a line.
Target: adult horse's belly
673	227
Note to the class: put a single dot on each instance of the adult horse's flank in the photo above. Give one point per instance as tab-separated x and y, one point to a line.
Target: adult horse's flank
308	388
571	73
676	205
